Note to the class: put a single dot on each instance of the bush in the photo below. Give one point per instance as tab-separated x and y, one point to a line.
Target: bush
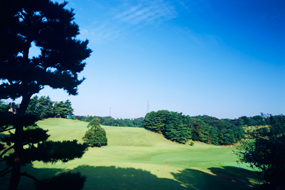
96	135
192	143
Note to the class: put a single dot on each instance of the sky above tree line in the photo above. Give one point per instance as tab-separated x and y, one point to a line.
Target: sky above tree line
220	58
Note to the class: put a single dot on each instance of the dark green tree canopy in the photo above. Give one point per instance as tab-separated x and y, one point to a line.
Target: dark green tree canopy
155	121
180	128
265	150
51	28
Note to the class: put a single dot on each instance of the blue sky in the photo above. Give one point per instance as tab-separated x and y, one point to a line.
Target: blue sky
220	58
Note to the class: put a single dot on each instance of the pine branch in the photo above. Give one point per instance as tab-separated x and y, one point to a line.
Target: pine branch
6	128
4	152
6	172
30	176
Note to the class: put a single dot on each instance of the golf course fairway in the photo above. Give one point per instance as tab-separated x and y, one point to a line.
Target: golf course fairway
138	159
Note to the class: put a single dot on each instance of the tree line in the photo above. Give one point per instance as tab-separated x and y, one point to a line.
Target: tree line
180	128
42	107
263	150
258	120
110	121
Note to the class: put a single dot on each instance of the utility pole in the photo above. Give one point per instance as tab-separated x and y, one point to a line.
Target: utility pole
110	112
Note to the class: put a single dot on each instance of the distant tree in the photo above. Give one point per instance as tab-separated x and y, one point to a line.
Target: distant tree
257	120
200	131
213	135
127	123
267	152
45	107
95	135
109	121
3	107
243	121
62	109
88	118
50	27
177	128
156	121
218	131
138	122
33	107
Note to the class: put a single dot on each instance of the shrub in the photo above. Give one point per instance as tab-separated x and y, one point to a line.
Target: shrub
96	135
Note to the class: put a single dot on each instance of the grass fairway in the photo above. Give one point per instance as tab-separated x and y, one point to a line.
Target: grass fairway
136	159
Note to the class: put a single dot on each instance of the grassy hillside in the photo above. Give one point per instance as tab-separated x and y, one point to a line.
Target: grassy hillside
136	159
64	129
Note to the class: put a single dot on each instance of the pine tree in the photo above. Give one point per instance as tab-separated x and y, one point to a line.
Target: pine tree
50	27
96	135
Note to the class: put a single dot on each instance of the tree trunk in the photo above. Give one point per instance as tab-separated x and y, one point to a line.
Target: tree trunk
16	171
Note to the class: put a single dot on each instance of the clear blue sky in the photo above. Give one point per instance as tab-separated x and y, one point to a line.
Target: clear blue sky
220	58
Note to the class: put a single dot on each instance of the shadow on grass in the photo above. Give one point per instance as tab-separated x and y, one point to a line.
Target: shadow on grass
25	182
219	178
103	177
238	173
124	179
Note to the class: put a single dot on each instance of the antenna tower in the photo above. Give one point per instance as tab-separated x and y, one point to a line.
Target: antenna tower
147	108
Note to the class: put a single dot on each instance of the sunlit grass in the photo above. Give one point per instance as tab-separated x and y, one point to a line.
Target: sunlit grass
135	156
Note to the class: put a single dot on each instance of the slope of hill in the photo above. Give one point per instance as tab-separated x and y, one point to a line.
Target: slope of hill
66	129
136	158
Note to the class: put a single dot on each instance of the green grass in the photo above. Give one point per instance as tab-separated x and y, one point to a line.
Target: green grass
135	159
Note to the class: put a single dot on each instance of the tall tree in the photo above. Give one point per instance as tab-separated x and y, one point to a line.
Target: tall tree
266	152
50	27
